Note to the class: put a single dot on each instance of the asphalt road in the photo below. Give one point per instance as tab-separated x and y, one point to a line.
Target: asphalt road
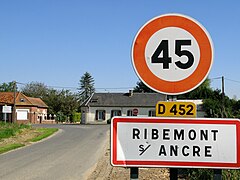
69	154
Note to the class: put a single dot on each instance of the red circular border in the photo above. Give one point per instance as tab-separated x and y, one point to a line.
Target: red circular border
168	87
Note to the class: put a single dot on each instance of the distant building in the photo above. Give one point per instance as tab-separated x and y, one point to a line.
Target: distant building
101	107
28	109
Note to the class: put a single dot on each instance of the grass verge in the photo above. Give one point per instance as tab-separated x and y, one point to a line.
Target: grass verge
13	136
10	147
11	129
45	132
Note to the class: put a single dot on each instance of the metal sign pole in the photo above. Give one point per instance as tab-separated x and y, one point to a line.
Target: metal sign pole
217	174
134	173
5	117
173	171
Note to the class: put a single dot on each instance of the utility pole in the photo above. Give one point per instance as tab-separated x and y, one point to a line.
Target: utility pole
223	97
218	172
14	101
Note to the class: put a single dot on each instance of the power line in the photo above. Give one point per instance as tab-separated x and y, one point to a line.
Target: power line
116	88
215	78
57	87
77	88
113	88
225	79
233	80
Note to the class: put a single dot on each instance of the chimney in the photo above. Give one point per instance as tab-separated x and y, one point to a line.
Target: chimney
130	93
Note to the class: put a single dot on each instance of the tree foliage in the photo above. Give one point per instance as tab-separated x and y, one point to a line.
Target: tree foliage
86	88
7	87
60	102
141	87
203	91
35	89
214	103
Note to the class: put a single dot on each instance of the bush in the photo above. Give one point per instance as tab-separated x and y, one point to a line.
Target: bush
196	174
61	117
231	174
75	117
206	174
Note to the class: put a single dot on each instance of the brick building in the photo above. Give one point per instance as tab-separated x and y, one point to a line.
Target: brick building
28	109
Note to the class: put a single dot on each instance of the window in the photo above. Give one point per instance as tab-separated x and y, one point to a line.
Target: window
116	113
22	114
152	113
130	112
94	100
100	114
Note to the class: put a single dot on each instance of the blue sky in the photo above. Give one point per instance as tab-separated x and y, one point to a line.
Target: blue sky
57	41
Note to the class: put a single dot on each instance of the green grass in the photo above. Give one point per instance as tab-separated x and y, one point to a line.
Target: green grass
10	129
45	132
10	147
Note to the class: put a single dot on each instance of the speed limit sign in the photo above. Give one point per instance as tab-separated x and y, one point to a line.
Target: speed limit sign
172	54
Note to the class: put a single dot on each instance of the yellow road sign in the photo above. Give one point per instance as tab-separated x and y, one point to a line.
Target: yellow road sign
176	109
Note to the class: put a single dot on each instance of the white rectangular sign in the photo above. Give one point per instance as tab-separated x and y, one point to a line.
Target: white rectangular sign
7	109
175	142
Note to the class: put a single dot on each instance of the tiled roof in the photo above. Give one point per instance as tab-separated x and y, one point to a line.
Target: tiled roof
8	99
37	102
124	100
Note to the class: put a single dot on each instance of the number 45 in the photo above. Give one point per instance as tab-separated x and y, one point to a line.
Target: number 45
166	60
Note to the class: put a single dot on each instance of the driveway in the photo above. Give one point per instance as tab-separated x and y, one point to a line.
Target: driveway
69	154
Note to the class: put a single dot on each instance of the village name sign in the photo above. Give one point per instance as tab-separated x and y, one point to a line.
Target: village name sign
175	142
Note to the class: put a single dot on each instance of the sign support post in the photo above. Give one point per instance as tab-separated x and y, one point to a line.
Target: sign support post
173	171
217	174
5	117
134	173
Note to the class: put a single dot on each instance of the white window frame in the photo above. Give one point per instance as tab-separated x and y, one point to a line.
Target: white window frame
21	114
115	112
152	113
101	115
130	112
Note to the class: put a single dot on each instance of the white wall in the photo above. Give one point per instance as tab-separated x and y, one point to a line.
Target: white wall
90	116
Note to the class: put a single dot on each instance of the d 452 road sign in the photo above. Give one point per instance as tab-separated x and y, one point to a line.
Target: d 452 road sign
172	54
176	109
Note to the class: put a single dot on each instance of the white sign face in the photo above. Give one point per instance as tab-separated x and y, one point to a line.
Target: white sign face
171	71
175	142
7	109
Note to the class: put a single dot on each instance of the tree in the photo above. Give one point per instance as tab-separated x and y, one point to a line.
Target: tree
141	87
203	91
61	102
7	87
86	86
35	89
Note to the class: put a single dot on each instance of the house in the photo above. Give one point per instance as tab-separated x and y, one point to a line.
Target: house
28	109
101	107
